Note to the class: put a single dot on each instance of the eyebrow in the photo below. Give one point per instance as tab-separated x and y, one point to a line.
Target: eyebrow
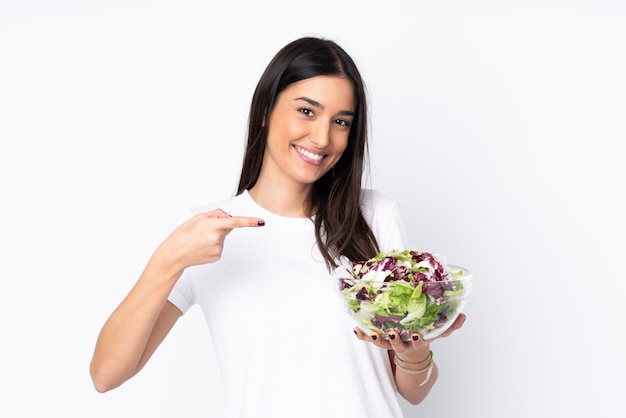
321	106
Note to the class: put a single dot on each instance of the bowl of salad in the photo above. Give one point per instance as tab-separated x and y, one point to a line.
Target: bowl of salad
406	291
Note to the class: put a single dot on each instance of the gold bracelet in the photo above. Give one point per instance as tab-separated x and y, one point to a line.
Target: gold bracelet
428	370
428	357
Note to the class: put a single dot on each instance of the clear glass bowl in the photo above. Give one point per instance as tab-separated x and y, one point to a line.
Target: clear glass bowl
426	307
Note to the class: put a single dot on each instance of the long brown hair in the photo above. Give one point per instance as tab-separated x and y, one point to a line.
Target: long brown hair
340	227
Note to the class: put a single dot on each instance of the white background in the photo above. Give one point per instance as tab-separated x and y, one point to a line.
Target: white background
497	125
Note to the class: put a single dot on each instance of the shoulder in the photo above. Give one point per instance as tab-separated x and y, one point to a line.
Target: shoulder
375	202
384	216
376	196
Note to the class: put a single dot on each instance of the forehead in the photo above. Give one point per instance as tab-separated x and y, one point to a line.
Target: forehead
332	92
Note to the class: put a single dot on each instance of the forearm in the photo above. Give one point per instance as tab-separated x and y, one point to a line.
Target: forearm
415	375
124	343
143	319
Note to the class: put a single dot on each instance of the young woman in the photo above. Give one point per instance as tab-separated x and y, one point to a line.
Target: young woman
258	264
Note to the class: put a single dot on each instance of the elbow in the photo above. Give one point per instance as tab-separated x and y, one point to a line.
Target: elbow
414	400
100	388
414	392
102	382
101	385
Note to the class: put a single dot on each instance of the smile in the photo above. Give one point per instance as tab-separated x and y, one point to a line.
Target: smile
309	154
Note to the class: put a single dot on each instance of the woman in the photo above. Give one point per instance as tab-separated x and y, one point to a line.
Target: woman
258	263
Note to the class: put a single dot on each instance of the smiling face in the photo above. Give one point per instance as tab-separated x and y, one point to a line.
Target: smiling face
308	131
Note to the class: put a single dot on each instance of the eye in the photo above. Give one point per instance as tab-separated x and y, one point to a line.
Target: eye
342	122
306	111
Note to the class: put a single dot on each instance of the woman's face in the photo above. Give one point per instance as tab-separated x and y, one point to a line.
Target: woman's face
308	130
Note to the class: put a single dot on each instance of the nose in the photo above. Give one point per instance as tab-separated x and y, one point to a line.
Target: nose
320	134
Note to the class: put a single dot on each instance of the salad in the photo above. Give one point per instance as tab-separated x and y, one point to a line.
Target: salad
406	291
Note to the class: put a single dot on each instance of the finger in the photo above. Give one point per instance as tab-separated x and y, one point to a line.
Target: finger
244	222
396	343
218	213
361	335
457	324
372	338
417	341
240	222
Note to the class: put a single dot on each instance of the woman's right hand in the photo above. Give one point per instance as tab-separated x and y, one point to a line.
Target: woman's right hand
142	320
200	239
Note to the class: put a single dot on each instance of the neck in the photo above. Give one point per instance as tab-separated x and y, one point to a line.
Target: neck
292	202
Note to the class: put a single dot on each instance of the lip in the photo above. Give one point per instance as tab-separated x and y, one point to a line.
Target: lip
309	156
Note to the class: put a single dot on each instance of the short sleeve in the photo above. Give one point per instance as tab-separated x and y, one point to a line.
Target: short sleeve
181	295
385	218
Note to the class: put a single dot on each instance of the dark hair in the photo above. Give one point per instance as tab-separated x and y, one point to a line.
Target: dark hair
340	227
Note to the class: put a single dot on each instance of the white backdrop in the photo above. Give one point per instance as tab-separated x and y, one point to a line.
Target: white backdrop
497	127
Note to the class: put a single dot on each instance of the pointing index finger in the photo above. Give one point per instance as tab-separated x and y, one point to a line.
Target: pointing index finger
242	222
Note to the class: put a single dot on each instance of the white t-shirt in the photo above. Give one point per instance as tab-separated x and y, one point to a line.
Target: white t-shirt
282	336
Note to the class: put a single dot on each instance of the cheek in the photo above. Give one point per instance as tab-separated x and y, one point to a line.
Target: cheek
284	132
292	130
342	144
339	152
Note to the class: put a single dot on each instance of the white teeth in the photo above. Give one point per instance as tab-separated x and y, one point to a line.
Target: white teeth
309	154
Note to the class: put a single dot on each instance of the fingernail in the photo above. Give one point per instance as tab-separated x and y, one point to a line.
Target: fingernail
374	337
261	223
416	337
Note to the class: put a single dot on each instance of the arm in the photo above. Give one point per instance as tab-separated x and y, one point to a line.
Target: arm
134	330
414	387
144	318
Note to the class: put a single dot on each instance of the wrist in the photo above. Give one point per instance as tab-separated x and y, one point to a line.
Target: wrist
420	356
172	255
417	361
164	267
422	367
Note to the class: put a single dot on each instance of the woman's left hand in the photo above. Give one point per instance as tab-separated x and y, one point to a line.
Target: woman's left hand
417	345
